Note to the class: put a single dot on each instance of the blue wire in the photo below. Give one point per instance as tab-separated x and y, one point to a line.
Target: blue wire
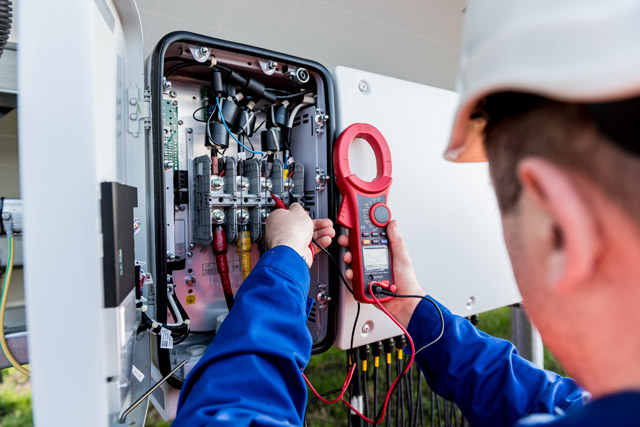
229	130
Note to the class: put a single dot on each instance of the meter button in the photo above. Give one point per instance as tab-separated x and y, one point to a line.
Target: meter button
383	234
374	234
384	241
380	214
365	234
375	242
366	242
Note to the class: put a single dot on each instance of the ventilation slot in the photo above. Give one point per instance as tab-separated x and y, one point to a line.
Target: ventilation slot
309	198
312	314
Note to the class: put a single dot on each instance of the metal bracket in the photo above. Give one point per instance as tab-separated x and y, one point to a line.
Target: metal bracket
139	109
321	179
320	119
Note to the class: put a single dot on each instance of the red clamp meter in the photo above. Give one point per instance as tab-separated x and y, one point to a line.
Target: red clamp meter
365	213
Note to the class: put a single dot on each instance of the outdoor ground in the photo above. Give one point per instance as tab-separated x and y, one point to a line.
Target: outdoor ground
326	371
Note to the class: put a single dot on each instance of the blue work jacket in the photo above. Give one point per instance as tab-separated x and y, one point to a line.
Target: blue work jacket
250	374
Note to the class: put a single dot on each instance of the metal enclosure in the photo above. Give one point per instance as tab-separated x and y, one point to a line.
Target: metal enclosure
447	212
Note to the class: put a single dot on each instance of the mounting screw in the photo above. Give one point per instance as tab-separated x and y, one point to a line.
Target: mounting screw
173	94
189	130
189	254
273	65
182	207
192	245
203	51
133	101
166	85
362	86
171	256
180	122
133	116
174	103
189	280
365	328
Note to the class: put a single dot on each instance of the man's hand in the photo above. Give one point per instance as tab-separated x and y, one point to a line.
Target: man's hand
294	228
404	276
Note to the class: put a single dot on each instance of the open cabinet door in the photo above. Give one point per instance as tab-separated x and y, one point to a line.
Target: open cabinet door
82	158
447	212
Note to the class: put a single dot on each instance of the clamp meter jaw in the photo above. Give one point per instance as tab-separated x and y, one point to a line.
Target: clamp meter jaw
365	213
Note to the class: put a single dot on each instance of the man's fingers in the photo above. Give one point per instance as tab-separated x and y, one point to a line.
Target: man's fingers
396	242
324	232
322	223
296	207
347	258
323	242
348	274
343	241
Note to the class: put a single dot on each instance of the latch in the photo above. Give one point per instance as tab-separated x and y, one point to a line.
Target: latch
139	109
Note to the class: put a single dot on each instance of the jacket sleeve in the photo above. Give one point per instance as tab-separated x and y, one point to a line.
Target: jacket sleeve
250	374
484	375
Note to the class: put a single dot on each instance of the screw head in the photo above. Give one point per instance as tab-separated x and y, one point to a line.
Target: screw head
189	130
133	116
365	328
173	94
180	122
273	65
192	245
189	254
133	101
190	281
174	103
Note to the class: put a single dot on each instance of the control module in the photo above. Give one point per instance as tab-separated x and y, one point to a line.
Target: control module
241	128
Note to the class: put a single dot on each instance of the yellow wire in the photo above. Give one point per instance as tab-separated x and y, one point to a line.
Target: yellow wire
3	305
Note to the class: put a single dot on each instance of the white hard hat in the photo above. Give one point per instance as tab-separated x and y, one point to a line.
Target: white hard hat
568	50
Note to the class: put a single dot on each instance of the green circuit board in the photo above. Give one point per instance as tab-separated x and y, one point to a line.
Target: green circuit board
170	133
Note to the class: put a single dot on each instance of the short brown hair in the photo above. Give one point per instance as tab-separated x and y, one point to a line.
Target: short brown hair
521	126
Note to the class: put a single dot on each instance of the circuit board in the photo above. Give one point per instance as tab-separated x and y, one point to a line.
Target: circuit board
170	132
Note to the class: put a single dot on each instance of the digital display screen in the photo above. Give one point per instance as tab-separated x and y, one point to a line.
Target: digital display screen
376	258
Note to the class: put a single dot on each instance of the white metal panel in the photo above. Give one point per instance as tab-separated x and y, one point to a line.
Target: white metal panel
447	212
78	143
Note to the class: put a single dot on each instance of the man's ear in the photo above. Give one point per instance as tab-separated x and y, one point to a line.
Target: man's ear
562	225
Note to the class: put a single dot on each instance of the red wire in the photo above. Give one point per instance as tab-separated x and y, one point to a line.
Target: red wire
345	385
348	379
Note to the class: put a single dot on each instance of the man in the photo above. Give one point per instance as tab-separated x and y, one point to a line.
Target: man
550	96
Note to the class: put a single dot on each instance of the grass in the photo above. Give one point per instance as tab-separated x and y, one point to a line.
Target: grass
15	399
326	372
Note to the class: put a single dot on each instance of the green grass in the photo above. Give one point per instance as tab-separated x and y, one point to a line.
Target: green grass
15	399
326	372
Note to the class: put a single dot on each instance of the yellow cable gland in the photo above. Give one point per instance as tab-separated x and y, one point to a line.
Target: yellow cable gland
376	361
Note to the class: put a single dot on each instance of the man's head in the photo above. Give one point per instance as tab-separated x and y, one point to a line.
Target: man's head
570	204
565	184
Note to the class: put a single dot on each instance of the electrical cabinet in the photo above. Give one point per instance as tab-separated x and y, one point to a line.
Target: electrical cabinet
182	131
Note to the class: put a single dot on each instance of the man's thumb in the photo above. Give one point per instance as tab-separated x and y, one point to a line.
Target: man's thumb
398	249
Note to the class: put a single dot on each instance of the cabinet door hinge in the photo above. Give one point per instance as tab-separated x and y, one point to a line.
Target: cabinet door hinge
139	109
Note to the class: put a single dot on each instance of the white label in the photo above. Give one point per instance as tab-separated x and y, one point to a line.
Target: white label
137	373
166	340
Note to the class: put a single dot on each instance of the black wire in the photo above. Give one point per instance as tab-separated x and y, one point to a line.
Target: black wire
388	387
180	65
293	95
375	387
364	395
339	272
197	119
409	389
314	400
